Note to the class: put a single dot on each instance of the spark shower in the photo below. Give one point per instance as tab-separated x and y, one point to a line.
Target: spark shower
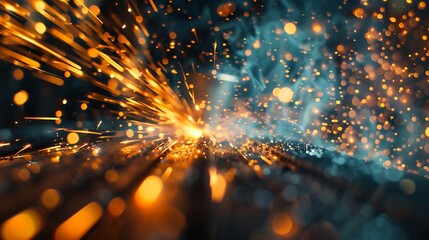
226	119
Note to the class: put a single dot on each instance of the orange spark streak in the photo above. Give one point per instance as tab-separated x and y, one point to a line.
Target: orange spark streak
49	148
268	161
88	49
22	149
78	224
78	131
42	118
4	144
153	5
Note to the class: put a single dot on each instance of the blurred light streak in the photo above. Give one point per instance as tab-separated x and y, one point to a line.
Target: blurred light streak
24	225
77	225
148	191
218	185
4	144
42	118
227	77
166	175
23	149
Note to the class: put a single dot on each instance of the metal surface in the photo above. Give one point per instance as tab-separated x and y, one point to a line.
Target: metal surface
318	192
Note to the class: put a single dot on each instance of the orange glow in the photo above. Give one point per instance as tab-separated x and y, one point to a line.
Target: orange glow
78	224
58	113
166	175
129	133
169	221
192	132
24	225
39	5
359	12
285	95
18	74
148	191
111	176
40	27
224	10
116	207
290	28
217	184
94	9
282	224
50	198
317	28
72	138
276	91
20	98
92	52
84	106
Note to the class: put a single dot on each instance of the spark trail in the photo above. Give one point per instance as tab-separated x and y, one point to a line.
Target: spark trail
70	41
